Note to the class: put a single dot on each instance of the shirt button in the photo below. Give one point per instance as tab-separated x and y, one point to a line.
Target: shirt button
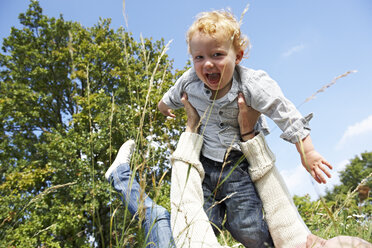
222	125
208	91
221	112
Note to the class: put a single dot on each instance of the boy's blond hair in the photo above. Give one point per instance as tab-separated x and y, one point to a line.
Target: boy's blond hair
219	24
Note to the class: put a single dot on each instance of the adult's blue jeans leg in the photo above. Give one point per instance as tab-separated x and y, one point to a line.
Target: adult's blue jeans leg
157	219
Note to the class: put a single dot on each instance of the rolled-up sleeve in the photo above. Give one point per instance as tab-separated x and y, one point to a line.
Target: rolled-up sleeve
298	130
267	97
172	98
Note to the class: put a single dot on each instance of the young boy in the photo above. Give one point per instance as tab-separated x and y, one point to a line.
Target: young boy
212	85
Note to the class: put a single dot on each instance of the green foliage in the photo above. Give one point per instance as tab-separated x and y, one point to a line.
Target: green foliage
330	219
342	212
69	97
358	169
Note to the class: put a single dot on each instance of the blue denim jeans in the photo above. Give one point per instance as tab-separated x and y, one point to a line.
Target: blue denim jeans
239	201
157	219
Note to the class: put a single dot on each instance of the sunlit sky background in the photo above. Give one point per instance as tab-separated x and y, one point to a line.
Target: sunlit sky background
303	45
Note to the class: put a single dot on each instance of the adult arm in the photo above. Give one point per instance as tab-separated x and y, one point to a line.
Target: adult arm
190	224
285	224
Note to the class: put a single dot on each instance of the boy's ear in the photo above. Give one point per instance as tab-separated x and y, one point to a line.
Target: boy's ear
239	56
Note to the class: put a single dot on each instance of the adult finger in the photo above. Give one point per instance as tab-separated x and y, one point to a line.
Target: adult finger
241	101
187	104
184	98
314	241
191	112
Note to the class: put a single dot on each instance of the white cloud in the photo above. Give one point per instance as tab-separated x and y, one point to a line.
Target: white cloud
299	181
358	129
293	50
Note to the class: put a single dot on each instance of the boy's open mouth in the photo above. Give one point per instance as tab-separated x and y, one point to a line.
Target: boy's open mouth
213	78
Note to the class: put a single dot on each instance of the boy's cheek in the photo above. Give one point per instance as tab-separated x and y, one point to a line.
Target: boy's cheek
201	78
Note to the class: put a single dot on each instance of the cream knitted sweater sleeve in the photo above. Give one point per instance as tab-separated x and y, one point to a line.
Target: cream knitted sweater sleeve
285	224
190	224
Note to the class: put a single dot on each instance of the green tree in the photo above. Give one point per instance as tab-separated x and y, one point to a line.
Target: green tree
358	169
69	97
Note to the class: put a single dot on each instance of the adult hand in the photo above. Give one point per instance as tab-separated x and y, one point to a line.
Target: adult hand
247	118
193	118
314	241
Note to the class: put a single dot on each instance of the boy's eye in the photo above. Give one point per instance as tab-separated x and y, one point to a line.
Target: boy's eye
198	57
217	54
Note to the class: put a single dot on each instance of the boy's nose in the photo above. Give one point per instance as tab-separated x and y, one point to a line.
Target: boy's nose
208	64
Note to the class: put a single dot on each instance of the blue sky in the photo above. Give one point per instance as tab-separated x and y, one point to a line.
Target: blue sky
303	45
